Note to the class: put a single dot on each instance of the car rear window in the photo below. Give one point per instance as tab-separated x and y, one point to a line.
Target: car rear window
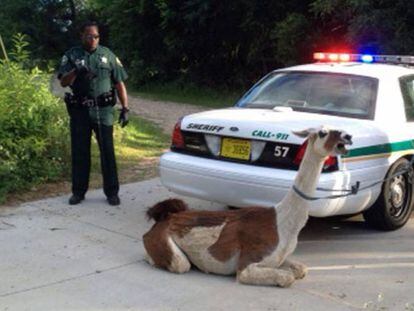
325	93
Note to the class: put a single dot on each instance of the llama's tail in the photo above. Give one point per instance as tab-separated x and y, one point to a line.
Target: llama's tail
163	209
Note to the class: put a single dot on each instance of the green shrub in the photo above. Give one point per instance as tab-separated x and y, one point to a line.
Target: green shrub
34	139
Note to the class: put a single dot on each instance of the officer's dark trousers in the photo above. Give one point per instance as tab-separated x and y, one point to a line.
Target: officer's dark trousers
81	129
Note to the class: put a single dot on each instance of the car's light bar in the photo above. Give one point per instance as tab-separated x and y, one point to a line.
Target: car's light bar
365	58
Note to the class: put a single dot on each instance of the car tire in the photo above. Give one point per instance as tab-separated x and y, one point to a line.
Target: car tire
394	205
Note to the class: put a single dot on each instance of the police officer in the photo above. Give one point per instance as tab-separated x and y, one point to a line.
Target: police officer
92	72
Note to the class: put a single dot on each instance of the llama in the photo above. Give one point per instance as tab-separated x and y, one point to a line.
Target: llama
252	242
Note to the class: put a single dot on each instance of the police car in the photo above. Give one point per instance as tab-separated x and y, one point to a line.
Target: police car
247	155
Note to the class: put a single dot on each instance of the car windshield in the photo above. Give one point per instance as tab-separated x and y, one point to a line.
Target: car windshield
325	93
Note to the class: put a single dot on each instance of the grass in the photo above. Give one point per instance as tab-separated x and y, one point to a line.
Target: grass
188	94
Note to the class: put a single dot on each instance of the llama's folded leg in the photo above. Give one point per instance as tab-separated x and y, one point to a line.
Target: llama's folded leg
162	252
298	269
255	274
179	262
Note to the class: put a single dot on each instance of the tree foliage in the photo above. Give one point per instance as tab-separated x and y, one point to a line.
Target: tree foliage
207	42
382	27
49	24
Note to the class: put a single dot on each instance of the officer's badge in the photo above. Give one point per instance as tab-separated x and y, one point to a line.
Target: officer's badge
118	62
64	60
104	60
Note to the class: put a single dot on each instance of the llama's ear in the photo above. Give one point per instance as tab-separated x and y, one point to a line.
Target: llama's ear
305	133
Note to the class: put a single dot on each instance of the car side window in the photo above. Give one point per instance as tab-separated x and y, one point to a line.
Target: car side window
407	88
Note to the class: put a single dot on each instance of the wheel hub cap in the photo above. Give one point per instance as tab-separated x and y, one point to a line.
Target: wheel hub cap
397	194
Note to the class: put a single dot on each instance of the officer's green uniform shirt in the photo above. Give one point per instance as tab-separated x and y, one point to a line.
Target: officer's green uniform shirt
108	70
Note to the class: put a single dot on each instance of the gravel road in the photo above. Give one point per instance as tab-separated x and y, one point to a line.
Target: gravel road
165	114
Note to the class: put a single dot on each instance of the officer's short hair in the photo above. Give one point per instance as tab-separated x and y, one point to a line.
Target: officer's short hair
88	24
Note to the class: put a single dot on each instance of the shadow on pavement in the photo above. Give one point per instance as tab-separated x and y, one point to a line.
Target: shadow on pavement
339	228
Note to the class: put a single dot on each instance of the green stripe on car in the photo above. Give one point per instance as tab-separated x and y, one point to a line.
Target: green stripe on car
383	148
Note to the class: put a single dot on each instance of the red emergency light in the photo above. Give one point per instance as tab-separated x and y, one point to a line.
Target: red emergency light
332	57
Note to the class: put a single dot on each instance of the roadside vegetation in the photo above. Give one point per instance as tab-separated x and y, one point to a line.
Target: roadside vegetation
33	127
34	136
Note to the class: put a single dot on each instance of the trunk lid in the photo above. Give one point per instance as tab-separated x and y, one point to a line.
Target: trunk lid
265	124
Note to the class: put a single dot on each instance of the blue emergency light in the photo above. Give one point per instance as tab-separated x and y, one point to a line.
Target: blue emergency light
367	58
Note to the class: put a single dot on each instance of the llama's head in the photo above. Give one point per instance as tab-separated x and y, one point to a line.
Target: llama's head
325	142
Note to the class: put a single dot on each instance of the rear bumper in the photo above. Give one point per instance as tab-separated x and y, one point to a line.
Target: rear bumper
246	185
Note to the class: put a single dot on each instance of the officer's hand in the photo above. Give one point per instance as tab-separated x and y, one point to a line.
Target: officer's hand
123	117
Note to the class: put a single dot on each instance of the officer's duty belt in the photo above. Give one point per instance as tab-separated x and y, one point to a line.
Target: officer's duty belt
103	100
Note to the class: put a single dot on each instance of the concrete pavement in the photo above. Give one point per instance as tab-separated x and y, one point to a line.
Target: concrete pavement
90	257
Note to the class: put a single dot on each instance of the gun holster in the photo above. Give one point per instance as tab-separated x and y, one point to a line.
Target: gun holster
105	99
71	102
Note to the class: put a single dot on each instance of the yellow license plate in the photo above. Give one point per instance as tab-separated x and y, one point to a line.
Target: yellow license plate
235	148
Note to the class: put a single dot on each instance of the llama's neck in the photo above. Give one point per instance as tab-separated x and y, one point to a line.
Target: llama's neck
293	210
308	174
306	181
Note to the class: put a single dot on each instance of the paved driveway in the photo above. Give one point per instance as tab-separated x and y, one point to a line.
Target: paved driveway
56	257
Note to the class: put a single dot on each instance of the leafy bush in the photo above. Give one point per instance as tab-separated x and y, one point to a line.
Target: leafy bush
34	143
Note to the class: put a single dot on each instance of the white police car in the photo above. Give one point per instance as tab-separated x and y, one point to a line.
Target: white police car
246	155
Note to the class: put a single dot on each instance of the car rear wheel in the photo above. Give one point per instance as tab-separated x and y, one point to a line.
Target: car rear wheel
394	205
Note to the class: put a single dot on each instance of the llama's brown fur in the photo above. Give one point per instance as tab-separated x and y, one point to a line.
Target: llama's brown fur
238	236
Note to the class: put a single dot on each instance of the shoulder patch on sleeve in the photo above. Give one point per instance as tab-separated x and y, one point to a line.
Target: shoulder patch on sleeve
118	61
64	60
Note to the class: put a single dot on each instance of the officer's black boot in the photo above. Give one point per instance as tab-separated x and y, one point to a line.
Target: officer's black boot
76	199
114	200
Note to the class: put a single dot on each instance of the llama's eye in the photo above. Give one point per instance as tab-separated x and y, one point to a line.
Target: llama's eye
322	133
